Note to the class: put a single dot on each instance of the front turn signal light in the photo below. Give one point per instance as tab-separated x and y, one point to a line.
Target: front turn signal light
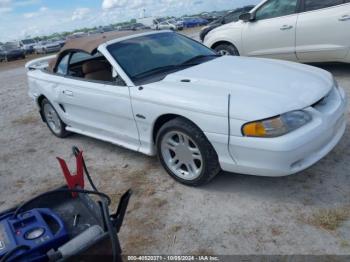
277	126
255	129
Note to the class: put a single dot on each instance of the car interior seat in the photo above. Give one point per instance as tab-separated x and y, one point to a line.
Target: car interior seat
97	70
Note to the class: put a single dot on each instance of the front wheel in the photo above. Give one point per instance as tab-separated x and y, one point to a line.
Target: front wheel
52	119
186	154
226	49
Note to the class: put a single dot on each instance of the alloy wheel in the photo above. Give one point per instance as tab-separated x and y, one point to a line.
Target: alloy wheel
182	155
224	52
52	118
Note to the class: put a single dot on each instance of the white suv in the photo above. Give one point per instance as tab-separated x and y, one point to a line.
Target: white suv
296	30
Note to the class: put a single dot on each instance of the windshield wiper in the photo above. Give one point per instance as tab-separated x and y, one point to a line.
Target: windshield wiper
159	70
198	57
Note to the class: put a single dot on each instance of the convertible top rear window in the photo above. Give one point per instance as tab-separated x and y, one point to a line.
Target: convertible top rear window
142	56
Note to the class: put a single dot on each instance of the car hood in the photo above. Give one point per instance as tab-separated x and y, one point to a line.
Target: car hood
259	88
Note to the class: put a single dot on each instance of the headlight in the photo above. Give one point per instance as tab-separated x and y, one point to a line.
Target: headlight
277	126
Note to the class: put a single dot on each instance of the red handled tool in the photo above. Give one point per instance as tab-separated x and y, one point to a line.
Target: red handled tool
74	180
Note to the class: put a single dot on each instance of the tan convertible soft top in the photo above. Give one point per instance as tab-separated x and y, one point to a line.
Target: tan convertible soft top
89	44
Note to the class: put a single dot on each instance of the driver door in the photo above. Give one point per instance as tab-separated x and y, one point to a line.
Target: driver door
95	106
272	33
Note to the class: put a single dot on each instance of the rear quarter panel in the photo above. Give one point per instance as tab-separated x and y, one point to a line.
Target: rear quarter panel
43	83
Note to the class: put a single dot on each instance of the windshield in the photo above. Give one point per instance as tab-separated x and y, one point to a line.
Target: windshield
160	53
28	41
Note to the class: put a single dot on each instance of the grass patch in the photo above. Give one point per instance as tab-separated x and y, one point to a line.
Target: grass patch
344	243
175	228
329	219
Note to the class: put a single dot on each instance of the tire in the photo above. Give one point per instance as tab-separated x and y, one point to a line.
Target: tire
53	120
186	154
226	49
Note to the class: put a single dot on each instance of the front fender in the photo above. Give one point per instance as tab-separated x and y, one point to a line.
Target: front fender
228	33
153	103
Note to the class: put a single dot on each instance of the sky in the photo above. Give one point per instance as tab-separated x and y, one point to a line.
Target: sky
28	18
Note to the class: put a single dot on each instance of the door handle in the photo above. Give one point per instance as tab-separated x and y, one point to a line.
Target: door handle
286	27
344	18
68	93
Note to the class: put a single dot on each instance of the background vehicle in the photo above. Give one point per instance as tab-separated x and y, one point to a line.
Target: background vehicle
189	22
229	18
201	21
94	32
60	41
10	51
208	16
304	31
28	45
46	47
79	34
126	28
166	25
139	26
178	23
173	98
108	29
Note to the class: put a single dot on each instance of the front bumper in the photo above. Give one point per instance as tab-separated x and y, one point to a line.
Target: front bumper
295	151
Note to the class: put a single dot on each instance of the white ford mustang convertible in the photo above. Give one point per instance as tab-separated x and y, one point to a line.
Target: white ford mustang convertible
163	93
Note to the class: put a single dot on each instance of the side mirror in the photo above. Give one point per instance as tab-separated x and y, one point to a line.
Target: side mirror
247	17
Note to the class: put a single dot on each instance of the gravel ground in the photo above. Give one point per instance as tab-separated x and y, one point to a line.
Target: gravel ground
307	213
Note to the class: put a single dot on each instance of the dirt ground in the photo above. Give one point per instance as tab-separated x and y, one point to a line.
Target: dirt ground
307	213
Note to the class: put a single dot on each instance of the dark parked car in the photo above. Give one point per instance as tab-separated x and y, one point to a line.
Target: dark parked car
228	18
108	29
189	22
140	26
10	51
126	28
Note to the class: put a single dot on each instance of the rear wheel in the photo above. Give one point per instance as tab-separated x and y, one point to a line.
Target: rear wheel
226	49
53	121
186	154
